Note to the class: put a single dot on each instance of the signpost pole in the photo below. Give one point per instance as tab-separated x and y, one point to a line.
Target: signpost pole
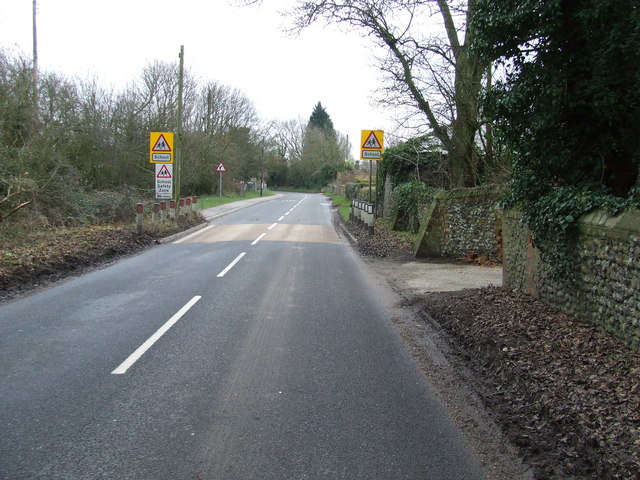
370	177
372	145
220	169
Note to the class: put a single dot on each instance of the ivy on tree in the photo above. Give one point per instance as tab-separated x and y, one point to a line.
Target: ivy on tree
568	107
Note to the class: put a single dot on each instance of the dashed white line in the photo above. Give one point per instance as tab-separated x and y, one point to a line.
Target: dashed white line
272	226
280	219
258	239
231	265
135	356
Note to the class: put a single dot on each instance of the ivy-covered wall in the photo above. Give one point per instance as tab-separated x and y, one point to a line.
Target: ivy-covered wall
605	289
460	223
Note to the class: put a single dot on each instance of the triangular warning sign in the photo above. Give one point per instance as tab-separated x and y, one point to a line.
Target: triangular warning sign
163	172
372	142
221	168
161	145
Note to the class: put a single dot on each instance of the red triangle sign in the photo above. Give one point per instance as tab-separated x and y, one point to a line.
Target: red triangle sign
161	145
164	172
221	168
372	142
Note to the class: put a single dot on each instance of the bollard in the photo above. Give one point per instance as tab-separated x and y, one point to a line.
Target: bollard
154	213
188	206
139	215
370	219
163	211
172	209
194	204
181	207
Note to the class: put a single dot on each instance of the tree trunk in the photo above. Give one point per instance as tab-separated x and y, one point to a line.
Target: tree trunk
466	170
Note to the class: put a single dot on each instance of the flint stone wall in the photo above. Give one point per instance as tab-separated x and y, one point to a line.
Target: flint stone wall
463	223
605	290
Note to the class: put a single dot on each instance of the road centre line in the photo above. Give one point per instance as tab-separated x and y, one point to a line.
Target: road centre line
231	265
280	219
258	239
192	235
272	226
135	356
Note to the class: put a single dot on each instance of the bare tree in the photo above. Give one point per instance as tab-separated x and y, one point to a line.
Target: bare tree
435	74
287	137
221	107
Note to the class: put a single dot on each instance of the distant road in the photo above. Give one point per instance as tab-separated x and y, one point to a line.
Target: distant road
253	349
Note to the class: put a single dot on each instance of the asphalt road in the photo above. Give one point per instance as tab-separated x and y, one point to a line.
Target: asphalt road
253	349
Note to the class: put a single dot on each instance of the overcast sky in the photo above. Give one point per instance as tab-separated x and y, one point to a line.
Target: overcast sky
243	47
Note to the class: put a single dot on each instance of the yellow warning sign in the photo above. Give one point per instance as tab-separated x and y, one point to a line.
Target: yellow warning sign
161	147
372	144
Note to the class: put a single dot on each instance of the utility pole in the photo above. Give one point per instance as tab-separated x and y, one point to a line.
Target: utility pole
178	140
35	57
261	169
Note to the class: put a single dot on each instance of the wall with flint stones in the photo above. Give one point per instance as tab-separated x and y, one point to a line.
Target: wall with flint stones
605	290
461	223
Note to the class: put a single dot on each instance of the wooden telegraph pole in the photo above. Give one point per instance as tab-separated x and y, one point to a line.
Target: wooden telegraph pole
35	56
178	140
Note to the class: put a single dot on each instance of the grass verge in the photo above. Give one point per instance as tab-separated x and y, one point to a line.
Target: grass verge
342	203
214	201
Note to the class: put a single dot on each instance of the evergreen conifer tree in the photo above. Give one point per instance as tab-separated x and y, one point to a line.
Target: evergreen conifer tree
320	119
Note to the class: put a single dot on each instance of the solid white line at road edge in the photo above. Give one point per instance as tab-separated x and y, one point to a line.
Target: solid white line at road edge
133	358
231	265
193	235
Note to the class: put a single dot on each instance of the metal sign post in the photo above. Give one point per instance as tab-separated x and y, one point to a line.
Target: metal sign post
220	169
372	145
161	154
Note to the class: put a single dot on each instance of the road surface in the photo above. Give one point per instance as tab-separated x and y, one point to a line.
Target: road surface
252	349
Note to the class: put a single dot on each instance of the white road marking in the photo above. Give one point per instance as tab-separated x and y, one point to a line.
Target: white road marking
231	265
280	219
133	358
193	234
258	239
272	226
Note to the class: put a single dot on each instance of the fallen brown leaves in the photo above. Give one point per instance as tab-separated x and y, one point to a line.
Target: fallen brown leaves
566	393
37	257
384	243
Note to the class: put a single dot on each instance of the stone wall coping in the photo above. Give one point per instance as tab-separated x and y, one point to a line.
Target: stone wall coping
601	224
